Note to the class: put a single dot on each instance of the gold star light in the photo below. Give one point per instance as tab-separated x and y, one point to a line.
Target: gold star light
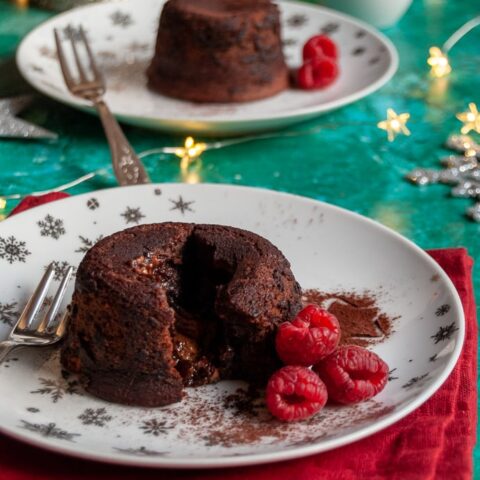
189	152
438	61
394	124
470	119
3	206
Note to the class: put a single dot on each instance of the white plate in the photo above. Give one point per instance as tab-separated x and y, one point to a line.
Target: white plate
123	35
329	249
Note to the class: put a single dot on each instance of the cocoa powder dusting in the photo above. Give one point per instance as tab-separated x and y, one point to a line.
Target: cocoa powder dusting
361	320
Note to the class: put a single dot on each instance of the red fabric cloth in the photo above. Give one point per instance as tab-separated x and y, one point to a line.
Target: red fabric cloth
34	201
434	442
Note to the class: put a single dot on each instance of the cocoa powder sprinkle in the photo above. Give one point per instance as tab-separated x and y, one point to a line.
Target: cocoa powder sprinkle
361	320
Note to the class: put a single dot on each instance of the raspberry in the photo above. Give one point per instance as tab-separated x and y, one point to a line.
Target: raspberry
295	393
317	73
352	374
311	336
320	46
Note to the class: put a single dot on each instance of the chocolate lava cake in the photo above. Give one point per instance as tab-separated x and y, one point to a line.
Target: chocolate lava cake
219	51
163	306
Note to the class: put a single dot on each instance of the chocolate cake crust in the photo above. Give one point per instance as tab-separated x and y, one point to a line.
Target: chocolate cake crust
218	51
162	306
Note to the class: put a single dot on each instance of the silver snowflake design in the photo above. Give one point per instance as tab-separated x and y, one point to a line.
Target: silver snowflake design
8	313
329	28
155	427
72	33
442	310
87	244
132	215
51	227
358	51
57	388
37	69
141	451
33	409
181	205
46	52
461	172
135	47
444	333
433	358
97	416
49	430
391	377
60	268
93	204
121	19
6	362
13	250
297	20
289	42
415	381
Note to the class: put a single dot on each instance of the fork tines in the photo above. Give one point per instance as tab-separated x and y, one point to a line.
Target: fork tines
37	299
88	80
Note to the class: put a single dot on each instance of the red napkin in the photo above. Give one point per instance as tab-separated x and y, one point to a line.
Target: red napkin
34	201
434	442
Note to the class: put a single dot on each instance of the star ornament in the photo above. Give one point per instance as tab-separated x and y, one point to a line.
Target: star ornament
13	127
470	119
395	124
438	61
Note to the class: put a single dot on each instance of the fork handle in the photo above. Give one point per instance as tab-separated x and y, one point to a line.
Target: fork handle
127	167
5	348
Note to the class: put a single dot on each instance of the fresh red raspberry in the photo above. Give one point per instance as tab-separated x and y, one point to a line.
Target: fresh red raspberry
352	374
311	336
320	46
317	73
295	393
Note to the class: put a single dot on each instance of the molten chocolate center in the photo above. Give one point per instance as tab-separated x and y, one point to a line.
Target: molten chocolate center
198	341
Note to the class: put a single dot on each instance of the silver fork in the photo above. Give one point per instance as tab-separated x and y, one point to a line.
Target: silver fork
89	85
48	331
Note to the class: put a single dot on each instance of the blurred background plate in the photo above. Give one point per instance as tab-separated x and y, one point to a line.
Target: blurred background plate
123	35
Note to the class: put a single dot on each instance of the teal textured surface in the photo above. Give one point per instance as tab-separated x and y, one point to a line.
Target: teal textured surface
352	166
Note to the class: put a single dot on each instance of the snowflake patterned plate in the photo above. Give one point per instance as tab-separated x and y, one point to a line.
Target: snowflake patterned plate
123	34
218	425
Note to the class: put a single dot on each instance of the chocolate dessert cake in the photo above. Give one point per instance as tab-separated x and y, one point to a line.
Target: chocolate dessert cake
219	51
162	306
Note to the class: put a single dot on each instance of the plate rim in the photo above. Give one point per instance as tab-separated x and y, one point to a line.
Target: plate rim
271	457
148	120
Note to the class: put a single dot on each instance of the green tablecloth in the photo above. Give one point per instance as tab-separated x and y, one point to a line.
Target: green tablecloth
352	166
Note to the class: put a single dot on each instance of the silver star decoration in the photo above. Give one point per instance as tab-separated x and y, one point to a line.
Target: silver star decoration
181	205
13	127
462	172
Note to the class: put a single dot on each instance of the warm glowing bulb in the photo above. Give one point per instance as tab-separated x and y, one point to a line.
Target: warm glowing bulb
190	151
3	203
470	119
395	124
471	152
438	61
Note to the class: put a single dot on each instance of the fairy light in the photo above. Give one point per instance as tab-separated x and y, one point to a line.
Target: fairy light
470	119
21	3
189	152
438	59
395	124
3	206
